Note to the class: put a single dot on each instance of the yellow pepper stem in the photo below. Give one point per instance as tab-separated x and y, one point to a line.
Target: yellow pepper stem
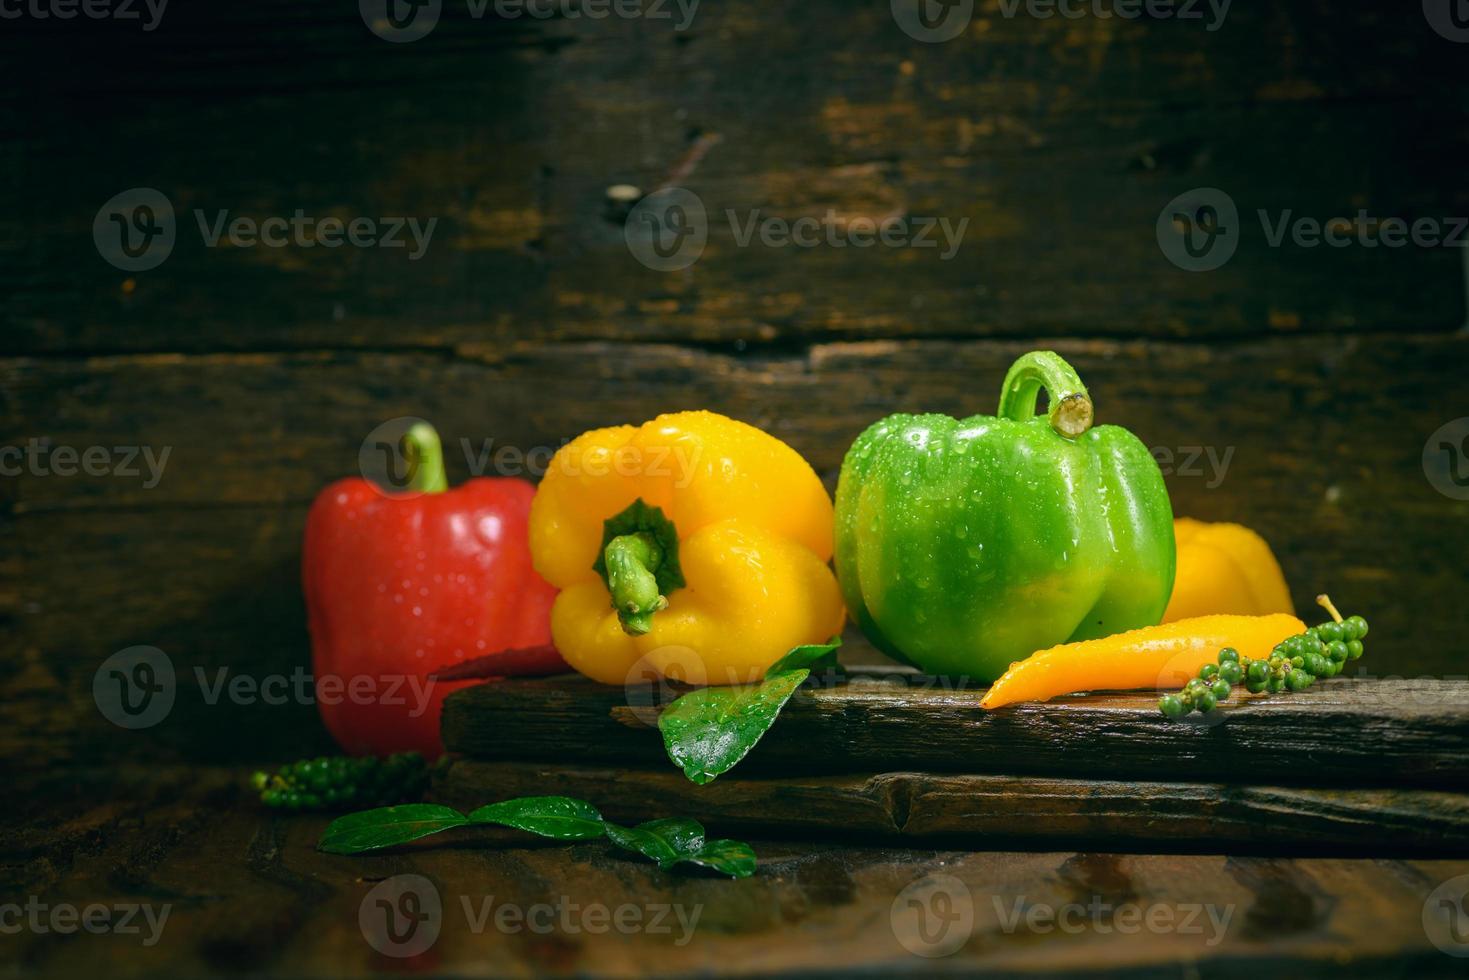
632	560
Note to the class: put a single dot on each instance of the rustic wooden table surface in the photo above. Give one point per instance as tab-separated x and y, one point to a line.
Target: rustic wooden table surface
176	872
1306	391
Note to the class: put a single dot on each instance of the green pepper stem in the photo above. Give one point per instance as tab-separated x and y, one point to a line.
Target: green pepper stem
631	561
1324	601
425	456
1071	407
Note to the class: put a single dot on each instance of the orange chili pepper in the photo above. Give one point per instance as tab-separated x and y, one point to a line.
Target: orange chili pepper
1150	658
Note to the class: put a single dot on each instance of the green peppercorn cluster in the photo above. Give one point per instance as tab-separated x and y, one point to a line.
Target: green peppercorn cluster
344	782
1294	665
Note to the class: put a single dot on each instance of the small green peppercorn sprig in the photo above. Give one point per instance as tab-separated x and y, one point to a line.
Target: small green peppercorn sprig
1293	665
344	782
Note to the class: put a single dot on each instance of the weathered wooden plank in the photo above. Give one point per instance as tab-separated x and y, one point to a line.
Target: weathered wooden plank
217	590
245	890
1358	733
1317	443
1060	139
996	811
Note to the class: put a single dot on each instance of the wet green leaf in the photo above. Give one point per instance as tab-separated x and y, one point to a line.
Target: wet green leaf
666	841
560	817
815	656
386	826
708	731
730	857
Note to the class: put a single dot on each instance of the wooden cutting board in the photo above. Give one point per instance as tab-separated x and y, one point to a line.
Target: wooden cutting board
1349	765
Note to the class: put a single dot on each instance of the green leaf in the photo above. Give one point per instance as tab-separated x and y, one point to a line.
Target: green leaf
730	857
666	841
560	817
706	732
816	656
387	826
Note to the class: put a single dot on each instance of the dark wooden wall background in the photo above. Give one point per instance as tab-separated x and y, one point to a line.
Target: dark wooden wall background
1324	370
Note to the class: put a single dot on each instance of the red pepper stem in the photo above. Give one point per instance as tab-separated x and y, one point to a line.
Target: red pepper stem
425	456
1071	407
631	561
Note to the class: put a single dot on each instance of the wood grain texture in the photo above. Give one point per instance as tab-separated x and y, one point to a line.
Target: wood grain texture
999	811
246	891
1341	732
1060	140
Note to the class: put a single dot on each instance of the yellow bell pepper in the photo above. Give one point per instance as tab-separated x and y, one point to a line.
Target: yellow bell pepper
694	543
1224	569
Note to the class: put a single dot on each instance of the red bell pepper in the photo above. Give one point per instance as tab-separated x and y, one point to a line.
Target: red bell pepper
399	585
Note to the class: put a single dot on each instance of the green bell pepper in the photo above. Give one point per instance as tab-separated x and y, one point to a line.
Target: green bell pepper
964	545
